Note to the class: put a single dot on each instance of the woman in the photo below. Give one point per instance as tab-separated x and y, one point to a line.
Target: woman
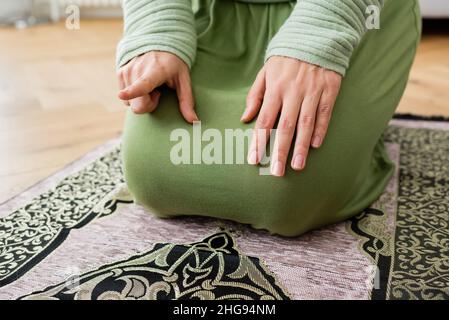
270	64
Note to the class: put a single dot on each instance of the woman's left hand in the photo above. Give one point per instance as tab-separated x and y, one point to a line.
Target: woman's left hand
303	96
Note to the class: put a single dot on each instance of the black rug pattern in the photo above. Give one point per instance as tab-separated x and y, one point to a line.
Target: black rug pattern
212	269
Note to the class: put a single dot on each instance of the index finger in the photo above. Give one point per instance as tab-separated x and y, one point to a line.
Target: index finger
142	86
265	122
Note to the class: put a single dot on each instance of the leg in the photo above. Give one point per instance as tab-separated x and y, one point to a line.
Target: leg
342	178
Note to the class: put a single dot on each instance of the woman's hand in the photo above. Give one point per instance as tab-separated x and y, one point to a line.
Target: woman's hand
302	95
140	78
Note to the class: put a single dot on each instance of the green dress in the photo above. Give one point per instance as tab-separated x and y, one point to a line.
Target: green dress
344	176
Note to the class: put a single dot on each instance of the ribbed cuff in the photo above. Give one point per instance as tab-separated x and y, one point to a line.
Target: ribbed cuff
323	32
158	25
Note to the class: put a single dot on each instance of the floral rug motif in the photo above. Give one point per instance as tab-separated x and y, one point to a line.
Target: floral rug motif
212	269
413	256
78	235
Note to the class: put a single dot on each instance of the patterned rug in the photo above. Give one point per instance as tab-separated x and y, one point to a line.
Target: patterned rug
78	235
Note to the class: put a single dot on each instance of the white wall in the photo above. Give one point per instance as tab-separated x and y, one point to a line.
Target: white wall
16	8
13	8
435	8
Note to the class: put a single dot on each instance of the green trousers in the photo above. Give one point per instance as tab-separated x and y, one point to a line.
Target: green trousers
344	176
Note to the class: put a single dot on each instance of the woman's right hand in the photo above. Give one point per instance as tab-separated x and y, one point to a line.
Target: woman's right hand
140	78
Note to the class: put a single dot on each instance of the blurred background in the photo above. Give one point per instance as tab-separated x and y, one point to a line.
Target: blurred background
58	87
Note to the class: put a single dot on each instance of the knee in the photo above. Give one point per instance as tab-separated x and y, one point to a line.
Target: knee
133	170
139	177
307	204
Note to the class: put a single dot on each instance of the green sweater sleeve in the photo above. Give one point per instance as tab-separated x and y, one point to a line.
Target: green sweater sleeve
323	32
157	25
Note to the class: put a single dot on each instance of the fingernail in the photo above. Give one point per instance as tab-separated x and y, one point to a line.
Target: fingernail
121	95
252	159
278	169
298	163
243	116
195	118
316	142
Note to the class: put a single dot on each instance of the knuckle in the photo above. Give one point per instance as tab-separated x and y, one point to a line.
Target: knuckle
138	64
155	57
315	92
127	72
325	110
320	130
334	88
301	148
276	86
282	153
304	146
286	124
145	79
263	122
294	87
153	65
158	66
334	82
321	133
306	121
321	127
253	97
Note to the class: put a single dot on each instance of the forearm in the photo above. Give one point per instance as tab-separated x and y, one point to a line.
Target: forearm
323	32
157	25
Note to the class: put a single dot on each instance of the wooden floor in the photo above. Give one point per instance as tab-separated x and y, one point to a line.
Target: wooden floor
58	95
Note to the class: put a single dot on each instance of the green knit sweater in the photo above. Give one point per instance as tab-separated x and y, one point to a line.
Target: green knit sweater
321	32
